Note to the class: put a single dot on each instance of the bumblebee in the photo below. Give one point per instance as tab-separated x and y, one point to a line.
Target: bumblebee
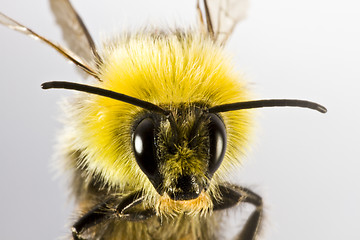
149	143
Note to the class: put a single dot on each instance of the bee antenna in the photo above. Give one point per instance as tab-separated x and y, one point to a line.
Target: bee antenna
268	103
106	93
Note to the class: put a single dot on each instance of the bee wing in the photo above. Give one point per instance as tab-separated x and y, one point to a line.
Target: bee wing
218	18
74	32
11	23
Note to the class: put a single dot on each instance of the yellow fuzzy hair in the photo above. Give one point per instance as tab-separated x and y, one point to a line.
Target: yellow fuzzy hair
166	69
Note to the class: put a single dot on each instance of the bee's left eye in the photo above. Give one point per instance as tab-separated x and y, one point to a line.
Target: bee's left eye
217	136
144	146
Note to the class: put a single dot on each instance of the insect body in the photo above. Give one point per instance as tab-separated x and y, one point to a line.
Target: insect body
150	143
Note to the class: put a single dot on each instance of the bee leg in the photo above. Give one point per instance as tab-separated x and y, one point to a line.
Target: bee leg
106	210
233	195
96	215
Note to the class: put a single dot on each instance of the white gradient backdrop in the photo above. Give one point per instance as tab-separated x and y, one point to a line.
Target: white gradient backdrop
305	165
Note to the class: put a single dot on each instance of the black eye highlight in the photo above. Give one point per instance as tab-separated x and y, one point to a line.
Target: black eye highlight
217	137
143	142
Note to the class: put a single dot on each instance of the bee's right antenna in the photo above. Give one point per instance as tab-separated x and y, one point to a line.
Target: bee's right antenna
106	93
268	103
114	95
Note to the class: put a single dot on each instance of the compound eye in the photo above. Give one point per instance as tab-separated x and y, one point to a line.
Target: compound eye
217	136
144	146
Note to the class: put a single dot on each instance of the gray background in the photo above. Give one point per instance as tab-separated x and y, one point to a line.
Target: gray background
304	164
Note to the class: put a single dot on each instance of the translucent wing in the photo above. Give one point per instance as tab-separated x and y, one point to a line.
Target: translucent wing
5	20
74	31
218	18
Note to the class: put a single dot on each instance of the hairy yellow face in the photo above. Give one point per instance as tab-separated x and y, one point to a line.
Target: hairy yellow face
182	73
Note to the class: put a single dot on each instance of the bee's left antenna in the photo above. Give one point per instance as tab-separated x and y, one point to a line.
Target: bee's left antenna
268	103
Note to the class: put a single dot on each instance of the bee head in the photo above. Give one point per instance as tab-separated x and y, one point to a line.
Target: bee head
179	148
180	152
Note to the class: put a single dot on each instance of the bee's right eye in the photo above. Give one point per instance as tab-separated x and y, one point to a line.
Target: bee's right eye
143	142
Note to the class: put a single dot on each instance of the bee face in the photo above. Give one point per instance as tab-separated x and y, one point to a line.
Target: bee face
179	154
